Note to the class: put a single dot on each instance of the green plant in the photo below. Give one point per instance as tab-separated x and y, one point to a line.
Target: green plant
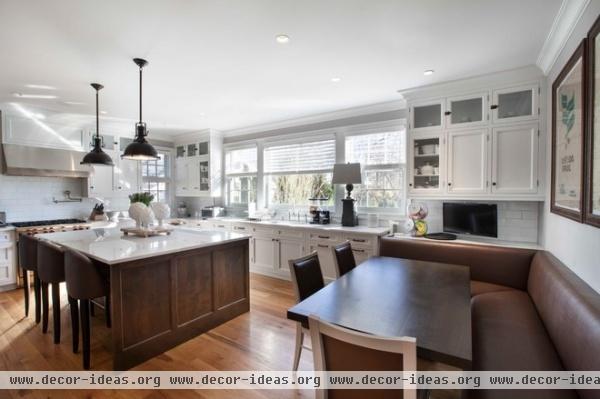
145	198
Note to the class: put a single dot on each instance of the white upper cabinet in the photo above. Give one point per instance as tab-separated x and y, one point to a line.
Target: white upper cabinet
467	111
198	165
127	176
514	159
427	162
427	115
36	132
515	104
468	161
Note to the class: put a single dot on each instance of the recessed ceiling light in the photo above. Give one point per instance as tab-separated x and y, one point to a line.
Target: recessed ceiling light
428	72
335	79
36	96
41	87
282	39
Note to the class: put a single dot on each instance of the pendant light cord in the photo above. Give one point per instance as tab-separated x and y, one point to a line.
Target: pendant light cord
140	94
97	116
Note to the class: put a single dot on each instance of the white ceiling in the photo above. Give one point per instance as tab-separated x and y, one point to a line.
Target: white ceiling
216	63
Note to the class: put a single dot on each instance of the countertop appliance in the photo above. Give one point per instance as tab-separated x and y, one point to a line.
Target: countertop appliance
212	211
50	226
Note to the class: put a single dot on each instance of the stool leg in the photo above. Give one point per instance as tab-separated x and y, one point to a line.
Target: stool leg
84	313
26	288
38	297
107	311
74	323
45	307
56	311
92	309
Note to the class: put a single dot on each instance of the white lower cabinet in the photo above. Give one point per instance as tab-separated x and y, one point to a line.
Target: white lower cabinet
272	246
263	254
8	260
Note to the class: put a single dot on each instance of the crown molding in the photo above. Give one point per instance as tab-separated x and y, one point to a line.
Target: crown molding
322	117
565	21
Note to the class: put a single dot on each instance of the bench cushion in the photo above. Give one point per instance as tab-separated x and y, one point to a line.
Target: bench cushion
509	335
481	287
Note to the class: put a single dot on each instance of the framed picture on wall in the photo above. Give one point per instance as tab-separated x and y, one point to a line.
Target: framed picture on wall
568	137
592	185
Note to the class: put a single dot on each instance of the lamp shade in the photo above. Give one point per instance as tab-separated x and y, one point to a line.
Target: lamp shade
346	173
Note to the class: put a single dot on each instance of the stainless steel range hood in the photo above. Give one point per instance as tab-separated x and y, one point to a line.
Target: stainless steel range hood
20	160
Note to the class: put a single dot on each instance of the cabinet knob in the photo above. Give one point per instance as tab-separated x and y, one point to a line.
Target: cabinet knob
493	183
449	183
447	112
410	184
493	106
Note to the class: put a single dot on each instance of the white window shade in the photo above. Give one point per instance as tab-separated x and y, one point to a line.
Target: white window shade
300	157
241	161
376	149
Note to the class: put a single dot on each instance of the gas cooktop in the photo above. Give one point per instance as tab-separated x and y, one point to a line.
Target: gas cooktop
54	222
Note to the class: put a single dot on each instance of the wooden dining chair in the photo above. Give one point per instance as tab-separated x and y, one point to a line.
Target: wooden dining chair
28	262
307	279
84	283
339	349
343	258
51	271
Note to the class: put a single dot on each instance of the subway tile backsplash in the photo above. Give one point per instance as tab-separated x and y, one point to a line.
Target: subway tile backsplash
25	198
517	220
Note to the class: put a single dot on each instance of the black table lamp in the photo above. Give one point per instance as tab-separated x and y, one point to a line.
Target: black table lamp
348	174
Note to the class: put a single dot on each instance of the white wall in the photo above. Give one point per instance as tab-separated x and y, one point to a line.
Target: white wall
576	244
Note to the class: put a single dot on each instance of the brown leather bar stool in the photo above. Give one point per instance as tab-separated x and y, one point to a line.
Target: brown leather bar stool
343	257
28	262
84	283
51	269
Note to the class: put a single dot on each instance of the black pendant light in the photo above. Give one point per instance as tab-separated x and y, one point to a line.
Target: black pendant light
96	156
140	149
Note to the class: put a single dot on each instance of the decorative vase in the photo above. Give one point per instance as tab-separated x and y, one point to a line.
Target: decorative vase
161	212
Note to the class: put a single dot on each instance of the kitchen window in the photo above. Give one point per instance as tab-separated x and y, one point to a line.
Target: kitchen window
156	177
382	157
298	171
240	176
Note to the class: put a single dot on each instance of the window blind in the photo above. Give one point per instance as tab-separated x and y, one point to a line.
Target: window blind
241	161
376	148
300	157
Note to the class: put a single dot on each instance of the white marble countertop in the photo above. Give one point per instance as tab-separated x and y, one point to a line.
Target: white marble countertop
379	231
7	228
110	246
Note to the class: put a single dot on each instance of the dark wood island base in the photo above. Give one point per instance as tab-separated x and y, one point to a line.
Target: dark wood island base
161	302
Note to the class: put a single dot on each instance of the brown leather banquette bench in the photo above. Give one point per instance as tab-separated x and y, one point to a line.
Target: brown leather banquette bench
529	311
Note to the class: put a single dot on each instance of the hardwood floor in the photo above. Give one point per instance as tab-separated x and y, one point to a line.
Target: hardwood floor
262	339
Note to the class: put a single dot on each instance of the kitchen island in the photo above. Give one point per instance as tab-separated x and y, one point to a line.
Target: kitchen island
165	290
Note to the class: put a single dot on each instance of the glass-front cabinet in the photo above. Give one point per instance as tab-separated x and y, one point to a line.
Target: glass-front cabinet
466	111
515	104
426	163
427	116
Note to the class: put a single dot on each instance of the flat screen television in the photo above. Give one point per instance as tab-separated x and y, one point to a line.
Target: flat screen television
471	218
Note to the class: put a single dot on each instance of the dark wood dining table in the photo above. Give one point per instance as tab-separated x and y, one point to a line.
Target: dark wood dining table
396	297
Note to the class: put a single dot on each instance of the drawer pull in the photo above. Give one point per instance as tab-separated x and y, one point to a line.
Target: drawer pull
324	237
221	226
358	250
359	240
322	246
239	228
